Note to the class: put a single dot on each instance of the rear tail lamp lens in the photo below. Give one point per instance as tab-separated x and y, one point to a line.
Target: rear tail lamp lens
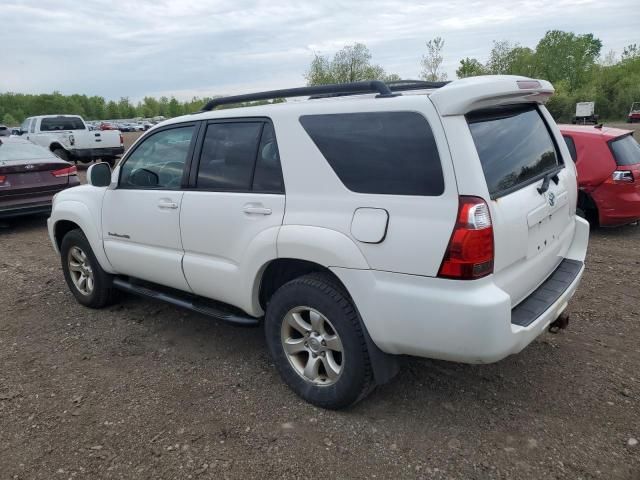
65	172
2	179
121	140
470	252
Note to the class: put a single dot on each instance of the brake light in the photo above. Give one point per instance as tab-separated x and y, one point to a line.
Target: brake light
470	251
528	84
2	179
121	140
65	172
621	176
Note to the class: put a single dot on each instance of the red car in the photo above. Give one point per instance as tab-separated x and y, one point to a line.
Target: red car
30	175
107	126
608	163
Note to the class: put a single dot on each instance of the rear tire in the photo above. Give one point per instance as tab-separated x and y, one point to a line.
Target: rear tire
327	362
61	153
86	279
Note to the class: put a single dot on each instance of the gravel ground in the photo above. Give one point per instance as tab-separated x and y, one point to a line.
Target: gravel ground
145	390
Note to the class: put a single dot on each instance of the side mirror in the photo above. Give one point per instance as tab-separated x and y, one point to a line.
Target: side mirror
99	175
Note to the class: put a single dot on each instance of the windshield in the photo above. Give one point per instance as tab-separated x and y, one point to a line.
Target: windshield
626	150
22	151
61	123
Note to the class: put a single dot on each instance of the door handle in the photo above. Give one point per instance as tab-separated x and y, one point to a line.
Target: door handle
256	210
168	205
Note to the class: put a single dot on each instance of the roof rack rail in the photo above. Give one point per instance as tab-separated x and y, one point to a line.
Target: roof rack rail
337	89
394	86
402	85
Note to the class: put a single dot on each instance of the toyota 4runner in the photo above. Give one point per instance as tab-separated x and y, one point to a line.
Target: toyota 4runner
371	220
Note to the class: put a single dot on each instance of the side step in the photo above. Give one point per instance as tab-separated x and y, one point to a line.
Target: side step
217	310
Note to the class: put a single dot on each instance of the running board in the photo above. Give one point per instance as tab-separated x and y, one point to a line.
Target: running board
216	310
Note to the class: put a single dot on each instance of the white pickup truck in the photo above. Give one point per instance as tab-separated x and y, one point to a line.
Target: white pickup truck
68	137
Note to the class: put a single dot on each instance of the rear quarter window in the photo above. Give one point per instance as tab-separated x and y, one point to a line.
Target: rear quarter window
626	150
391	153
514	145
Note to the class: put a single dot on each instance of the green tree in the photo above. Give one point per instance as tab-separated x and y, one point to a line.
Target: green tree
9	121
112	110
432	61
350	64
470	67
567	56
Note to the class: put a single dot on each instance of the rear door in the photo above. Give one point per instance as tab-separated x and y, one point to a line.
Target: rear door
532	191
231	218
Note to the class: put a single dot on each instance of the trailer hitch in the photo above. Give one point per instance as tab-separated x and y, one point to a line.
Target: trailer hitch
559	323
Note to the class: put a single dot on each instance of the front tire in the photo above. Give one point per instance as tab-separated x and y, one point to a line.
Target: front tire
86	279
316	340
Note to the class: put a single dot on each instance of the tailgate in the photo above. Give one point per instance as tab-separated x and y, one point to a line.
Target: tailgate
97	139
532	193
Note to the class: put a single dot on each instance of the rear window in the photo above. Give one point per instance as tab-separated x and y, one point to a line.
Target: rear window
625	150
390	153
61	123
23	151
514	146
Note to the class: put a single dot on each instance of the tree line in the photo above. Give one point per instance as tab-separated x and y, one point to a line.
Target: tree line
574	63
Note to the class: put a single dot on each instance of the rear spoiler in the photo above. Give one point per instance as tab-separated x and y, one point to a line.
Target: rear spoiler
474	93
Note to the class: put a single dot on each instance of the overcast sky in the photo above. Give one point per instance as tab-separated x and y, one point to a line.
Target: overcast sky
206	47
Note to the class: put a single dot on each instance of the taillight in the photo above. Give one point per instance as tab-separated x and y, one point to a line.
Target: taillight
121	140
470	252
65	172
2	179
621	176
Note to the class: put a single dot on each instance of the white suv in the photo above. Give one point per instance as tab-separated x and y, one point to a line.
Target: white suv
366	222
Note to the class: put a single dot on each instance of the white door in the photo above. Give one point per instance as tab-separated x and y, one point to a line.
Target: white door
230	220
141	217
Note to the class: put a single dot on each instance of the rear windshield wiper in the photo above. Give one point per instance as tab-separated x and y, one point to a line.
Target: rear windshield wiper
552	175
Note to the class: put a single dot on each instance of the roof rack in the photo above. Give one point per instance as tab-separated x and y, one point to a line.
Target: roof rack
336	89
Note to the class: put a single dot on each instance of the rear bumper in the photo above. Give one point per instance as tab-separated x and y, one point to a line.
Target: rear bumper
18	205
93	153
617	206
23	210
464	321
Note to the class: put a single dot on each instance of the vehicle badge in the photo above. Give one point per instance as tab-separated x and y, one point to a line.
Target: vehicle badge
552	199
29	167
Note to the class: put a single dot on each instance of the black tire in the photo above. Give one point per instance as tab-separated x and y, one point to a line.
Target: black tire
61	153
103	292
111	161
319	292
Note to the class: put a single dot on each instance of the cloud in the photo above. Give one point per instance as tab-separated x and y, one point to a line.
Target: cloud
205	47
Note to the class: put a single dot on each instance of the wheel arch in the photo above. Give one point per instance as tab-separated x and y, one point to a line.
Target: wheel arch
69	215
279	271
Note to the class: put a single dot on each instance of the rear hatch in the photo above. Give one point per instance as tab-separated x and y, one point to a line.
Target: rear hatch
532	193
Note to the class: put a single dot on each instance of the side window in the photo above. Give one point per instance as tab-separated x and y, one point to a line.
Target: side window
158	162
228	156
390	153
268	175
32	128
25	125
571	145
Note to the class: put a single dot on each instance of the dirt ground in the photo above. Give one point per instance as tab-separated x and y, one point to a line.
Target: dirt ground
145	390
